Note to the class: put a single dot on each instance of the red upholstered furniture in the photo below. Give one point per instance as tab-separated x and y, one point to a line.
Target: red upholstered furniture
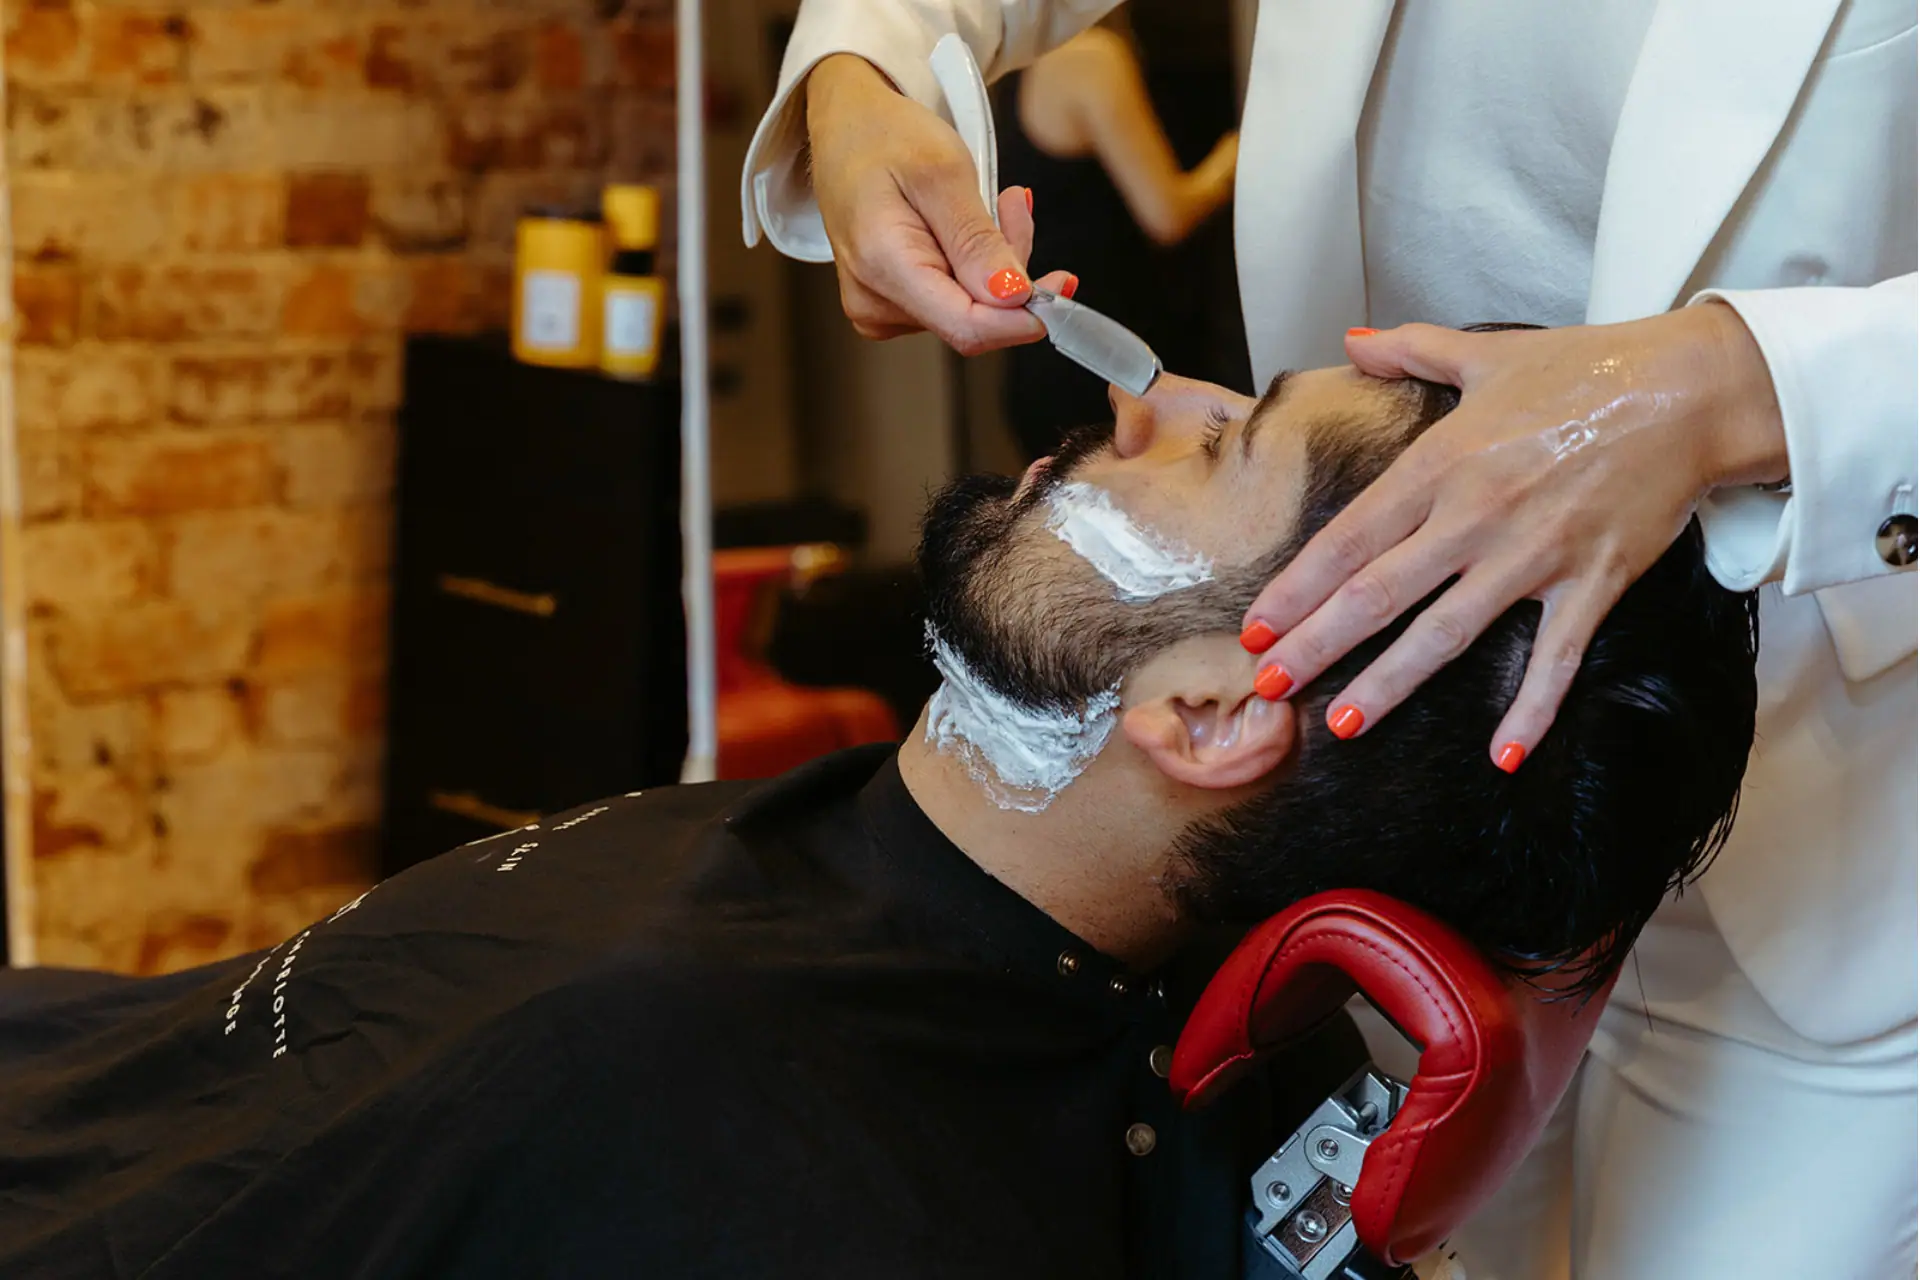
766	725
1495	1055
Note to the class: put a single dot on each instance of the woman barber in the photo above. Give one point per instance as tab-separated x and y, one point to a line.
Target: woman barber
1713	203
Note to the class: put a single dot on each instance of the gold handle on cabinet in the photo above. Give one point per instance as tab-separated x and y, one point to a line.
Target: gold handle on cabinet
467	805
480	591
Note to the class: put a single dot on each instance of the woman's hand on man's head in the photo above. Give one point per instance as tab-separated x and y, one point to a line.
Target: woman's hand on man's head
1574	459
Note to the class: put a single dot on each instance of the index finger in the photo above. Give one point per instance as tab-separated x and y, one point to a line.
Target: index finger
931	295
1382	517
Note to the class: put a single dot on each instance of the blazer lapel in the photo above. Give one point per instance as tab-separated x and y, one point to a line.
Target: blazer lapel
1713	85
1297	206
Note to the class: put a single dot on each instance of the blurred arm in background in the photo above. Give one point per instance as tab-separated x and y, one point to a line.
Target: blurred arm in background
1088	98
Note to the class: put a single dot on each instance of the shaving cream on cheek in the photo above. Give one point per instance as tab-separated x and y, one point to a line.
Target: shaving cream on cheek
1022	758
1139	562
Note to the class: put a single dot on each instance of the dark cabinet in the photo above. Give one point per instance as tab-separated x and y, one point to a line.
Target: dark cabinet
538	649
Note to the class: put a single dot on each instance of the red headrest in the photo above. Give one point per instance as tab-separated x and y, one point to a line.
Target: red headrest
1496	1055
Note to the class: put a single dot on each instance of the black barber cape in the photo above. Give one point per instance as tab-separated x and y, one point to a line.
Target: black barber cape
781	1030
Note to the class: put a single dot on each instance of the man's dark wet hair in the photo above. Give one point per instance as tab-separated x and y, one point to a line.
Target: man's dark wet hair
1552	869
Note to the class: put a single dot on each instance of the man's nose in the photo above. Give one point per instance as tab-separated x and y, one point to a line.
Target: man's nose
1171	407
1135	422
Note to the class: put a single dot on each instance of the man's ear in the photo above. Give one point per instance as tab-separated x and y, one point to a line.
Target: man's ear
1213	742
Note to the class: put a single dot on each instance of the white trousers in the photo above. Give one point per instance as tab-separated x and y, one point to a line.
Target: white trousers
1740	1151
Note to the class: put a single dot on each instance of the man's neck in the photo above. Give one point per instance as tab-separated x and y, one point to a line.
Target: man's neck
1094	859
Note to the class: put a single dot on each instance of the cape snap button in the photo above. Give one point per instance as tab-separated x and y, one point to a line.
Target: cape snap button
1898	542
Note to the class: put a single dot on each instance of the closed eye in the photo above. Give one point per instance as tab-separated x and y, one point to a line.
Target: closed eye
1217	424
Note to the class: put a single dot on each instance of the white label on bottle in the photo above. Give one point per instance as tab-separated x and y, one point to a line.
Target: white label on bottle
550	310
629	323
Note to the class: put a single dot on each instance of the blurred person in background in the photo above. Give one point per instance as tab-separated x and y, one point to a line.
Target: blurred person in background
1123	136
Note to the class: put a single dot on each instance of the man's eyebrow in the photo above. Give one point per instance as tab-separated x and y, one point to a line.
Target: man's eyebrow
1276	392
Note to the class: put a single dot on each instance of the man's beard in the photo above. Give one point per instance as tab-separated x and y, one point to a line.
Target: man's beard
1056	642
1029	635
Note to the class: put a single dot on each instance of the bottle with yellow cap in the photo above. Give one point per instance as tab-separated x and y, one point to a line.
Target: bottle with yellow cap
559	257
634	295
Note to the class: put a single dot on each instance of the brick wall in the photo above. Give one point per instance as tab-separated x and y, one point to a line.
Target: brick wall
223	220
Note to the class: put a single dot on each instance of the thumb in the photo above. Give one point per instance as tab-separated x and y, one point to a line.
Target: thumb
983	263
1427	351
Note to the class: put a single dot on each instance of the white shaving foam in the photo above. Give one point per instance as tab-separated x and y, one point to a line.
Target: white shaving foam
1022	758
1140	563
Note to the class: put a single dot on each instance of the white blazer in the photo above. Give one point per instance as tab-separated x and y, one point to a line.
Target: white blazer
1765	155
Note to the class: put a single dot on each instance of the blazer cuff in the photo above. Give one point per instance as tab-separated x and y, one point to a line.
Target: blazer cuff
1844	370
776	196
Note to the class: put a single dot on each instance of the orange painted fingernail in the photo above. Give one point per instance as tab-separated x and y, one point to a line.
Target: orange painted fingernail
1006	283
1361	333
1258	637
1070	286
1346	721
1272	682
1511	757
1029	191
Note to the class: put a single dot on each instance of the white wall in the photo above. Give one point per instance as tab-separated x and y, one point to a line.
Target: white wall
876	418
753	440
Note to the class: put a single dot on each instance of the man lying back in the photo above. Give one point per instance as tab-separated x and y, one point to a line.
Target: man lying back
900	1013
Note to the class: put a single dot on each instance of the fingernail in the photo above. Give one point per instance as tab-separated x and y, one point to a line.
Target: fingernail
1007	283
1070	286
1511	757
1271	682
1258	637
1029	199
1361	333
1346	721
